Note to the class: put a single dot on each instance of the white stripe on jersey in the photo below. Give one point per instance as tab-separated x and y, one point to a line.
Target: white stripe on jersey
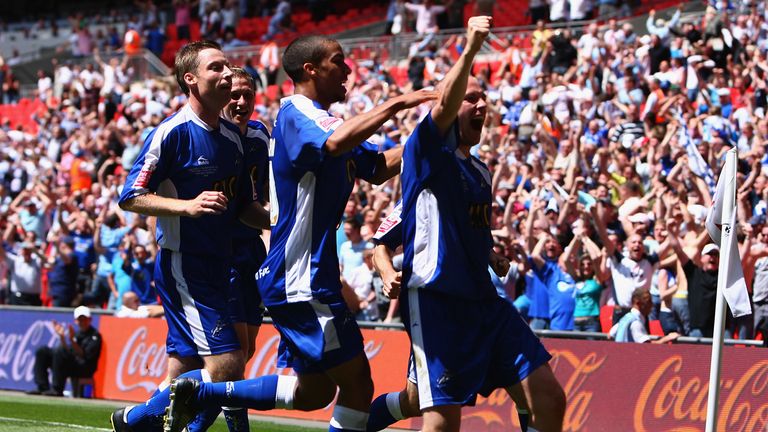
322	119
426	239
298	247
483	170
419	358
189	307
325	318
256	133
152	156
170	225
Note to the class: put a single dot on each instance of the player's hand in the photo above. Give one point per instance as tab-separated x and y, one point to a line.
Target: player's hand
499	264
478	28
412	99
207	203
391	286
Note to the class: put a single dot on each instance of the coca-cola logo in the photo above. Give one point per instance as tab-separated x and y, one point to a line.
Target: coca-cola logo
142	364
17	350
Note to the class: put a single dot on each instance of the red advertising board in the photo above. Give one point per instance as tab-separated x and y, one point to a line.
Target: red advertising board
610	386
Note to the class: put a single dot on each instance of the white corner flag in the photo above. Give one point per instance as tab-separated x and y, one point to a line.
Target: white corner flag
735	293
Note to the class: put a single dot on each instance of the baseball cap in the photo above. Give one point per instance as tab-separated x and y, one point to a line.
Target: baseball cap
82	311
710	248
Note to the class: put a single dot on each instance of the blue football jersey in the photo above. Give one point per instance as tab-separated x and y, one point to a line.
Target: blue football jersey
256	160
308	190
181	158
446	215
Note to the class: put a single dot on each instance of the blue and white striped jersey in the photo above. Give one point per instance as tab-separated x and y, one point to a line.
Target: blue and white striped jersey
308	191
446	216
182	158
256	159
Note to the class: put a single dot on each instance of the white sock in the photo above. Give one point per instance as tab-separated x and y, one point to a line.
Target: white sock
205	375
393	404
286	389
349	419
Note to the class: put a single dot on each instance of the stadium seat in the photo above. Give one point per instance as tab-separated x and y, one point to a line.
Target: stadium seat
654	327
82	387
606	318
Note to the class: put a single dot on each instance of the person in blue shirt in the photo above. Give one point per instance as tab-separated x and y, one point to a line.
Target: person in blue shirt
315	161
191	175
447	248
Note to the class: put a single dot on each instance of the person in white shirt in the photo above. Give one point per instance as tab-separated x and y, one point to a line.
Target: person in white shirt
426	16
132	308
361	281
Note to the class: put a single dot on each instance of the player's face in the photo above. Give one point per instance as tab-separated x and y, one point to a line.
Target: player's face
472	113
213	78
331	75
241	102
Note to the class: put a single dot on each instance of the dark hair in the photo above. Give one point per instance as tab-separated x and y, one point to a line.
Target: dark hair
186	60
305	49
639	293
238	72
354	222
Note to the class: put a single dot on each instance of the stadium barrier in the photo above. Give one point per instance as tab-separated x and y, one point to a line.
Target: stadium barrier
612	387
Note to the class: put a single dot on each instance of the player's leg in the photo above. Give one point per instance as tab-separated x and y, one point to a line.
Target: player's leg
520	365
148	417
389	408
546	399
442	418
355	393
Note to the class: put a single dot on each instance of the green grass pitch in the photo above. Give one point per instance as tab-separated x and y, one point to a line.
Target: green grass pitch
20	413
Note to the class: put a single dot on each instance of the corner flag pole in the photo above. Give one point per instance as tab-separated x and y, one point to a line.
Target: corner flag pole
729	195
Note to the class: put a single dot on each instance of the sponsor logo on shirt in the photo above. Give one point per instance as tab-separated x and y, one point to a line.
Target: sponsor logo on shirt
262	272
142	180
202	161
390	222
328	123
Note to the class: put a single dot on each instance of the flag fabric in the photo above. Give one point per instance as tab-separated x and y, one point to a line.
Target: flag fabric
735	292
696	161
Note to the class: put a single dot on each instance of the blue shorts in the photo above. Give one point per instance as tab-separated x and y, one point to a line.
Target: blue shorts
244	300
191	287
314	336
464	347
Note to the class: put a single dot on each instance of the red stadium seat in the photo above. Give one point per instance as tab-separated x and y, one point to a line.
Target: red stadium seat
606	318
655	328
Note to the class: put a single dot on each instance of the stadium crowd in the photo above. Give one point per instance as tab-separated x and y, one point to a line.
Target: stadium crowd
603	149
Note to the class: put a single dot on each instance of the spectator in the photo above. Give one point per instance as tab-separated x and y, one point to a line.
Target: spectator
701	274
361	281
631	327
25	268
77	355
351	251
426	16
280	21
62	273
130	307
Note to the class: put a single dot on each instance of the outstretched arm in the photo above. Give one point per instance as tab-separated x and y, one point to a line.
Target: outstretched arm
357	129
454	85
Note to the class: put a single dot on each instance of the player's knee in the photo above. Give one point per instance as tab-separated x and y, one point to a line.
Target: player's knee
225	367
317	397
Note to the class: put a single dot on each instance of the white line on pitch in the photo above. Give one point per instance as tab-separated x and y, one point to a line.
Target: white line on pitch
50	423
